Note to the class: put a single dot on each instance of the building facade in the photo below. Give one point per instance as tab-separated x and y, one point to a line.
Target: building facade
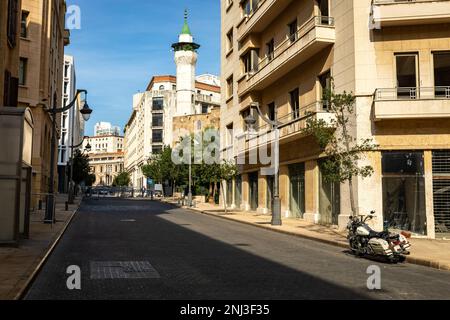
10	32
106	155
170	108
72	123
395	58
42	41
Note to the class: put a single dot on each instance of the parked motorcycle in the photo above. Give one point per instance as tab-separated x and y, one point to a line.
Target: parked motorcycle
393	247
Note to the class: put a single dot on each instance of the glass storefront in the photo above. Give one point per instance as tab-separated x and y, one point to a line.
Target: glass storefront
297	190
404	191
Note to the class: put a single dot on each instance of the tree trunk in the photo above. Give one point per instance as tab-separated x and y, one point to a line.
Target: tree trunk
352	197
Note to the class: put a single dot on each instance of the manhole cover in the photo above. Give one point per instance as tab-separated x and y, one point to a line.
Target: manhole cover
123	270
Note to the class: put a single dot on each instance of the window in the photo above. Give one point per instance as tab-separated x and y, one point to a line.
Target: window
11	90
325	87
406	66
229	135
161	88
205	108
270	49
158	104
271	111
24	24
66	86
63	155
324	11
230	39
442	74
13	10
157	120
66	70
174	87
157	149
249	7
250	61
293	31
295	103
404	191
157	136
297	188
23	71
230	87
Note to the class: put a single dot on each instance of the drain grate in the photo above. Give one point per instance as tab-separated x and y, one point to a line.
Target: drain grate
123	270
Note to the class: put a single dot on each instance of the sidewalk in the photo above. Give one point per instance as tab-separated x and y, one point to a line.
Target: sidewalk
19	265
430	253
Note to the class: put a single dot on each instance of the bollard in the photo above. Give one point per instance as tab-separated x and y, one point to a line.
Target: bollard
67	206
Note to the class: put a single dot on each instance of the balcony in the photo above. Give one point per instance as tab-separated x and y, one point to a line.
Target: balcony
387	13
311	38
291	127
206	99
261	16
412	103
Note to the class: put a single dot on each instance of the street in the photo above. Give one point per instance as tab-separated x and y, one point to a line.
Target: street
185	255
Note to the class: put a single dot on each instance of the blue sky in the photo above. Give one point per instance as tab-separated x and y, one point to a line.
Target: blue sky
123	43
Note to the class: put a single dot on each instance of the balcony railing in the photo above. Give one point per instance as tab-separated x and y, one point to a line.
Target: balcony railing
291	40
412	93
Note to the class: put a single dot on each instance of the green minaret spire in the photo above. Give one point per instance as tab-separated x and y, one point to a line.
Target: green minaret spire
186	29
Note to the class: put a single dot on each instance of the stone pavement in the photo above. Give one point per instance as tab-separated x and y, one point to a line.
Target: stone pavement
425	252
19	265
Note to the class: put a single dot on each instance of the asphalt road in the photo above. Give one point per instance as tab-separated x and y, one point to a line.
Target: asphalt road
186	255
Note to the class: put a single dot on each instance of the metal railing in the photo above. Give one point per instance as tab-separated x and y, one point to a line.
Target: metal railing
412	93
300	114
317	21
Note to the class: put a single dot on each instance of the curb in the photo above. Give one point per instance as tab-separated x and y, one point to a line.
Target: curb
22	291
412	260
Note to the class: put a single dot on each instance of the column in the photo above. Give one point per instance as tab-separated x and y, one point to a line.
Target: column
285	191
429	201
245	193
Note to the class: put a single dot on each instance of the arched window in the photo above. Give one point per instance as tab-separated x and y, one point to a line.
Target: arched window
161	88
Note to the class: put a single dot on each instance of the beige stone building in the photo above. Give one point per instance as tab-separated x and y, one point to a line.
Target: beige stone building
9	51
106	156
42	41
393	55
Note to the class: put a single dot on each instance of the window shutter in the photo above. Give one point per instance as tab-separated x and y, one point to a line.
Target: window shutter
13	11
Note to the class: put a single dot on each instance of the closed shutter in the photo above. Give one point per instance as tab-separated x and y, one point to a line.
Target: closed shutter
441	191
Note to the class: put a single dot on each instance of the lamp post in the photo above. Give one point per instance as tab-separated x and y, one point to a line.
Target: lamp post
71	182
86	113
251	121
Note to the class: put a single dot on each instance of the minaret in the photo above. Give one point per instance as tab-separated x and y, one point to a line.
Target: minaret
186	60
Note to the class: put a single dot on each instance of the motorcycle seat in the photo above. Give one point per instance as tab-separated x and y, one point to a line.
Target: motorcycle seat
382	235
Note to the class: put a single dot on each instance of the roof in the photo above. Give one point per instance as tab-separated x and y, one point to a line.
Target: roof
173	79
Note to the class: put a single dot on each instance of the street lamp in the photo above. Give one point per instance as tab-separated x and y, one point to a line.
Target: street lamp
251	122
86	113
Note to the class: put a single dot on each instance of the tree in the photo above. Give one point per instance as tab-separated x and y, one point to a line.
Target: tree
343	151
122	180
90	180
227	172
81	169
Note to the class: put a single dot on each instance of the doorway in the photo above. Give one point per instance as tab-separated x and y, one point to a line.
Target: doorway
253	183
407	76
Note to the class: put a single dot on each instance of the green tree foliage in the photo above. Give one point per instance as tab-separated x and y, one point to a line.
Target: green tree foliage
81	169
122	180
343	151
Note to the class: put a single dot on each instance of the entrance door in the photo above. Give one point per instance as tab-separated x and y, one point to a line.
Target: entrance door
297	194
406	66
253	181
329	201
238	192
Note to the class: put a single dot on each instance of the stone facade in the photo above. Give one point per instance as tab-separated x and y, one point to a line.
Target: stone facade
42	54
283	54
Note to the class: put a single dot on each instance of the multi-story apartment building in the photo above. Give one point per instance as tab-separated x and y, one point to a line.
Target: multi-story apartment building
43	37
170	108
72	123
395	58
10	31
106	155
106	129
